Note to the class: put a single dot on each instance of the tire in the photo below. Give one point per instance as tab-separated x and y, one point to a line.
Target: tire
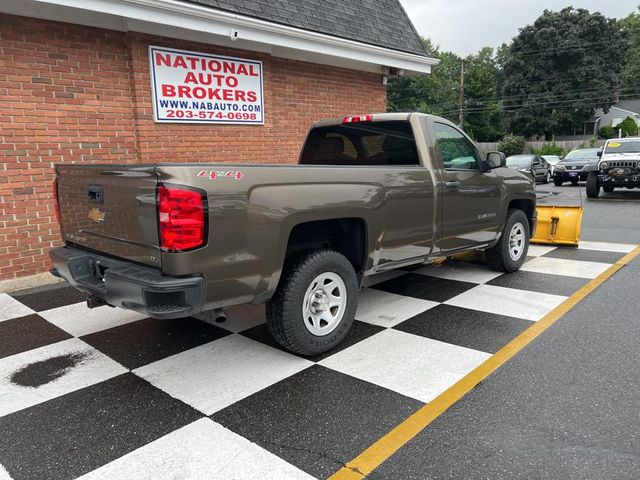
501	257
593	189
574	182
547	177
557	182
325	326
607	189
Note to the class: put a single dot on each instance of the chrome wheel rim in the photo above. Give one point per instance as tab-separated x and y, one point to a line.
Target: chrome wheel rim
517	241
324	304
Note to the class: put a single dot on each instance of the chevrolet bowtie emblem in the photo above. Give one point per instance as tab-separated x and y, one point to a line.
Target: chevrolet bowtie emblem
96	215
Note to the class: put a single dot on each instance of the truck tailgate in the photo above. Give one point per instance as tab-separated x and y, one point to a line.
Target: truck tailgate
110	209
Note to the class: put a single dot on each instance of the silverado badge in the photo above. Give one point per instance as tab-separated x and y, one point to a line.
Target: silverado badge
96	215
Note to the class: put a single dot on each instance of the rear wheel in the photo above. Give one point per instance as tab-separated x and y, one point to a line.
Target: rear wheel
557	182
510	252
547	177
607	189
593	189
315	303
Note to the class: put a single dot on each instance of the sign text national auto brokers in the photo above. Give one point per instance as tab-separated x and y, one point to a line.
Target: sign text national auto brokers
190	87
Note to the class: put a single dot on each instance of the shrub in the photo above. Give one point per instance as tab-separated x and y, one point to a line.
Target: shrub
512	145
607	132
551	149
629	127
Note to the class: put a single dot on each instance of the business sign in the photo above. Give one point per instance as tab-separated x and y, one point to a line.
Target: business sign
190	87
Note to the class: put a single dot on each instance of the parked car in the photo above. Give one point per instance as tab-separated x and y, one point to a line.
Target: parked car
571	168
552	160
372	193
534	165
618	167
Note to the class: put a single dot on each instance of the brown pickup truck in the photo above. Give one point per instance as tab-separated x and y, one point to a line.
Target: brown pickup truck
370	193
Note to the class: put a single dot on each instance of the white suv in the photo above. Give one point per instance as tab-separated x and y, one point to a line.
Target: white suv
618	167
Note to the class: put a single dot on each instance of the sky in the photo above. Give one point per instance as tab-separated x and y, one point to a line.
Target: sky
465	26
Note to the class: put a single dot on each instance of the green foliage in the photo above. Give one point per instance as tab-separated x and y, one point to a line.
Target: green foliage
630	84
512	145
562	68
428	93
629	127
484	117
550	149
607	132
438	93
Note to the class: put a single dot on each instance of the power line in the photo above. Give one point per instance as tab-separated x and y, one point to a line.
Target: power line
532	106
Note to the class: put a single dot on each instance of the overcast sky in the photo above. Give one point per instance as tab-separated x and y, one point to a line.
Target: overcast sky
465	26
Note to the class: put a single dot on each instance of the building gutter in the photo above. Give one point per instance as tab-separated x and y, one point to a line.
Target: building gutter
171	17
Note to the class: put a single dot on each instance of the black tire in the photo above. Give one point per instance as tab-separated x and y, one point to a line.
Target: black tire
499	257
593	189
284	311
557	182
547	177
574	182
608	189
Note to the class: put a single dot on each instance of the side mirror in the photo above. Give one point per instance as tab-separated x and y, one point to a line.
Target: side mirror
599	153
496	160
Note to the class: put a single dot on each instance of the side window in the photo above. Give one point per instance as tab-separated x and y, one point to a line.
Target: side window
457	152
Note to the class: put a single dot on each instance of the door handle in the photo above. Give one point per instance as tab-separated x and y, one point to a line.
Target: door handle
452	184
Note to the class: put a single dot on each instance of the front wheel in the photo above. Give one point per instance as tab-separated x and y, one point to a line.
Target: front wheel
314	304
593	189
557	182
510	253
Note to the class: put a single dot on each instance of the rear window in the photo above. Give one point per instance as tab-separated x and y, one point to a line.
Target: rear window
363	144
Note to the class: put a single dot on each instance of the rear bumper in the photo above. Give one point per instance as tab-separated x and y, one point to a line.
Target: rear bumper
129	285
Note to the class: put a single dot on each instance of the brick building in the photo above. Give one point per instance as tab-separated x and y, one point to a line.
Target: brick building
76	86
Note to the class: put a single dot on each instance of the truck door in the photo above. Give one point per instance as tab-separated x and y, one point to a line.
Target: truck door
470	197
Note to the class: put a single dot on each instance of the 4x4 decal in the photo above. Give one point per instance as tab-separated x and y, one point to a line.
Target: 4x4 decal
215	174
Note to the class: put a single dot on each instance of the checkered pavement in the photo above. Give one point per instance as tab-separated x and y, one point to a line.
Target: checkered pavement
110	394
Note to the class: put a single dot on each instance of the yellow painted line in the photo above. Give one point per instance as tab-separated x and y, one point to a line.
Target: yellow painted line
386	446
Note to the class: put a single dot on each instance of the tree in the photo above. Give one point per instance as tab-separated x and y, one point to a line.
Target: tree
562	68
439	92
484	117
630	84
434	93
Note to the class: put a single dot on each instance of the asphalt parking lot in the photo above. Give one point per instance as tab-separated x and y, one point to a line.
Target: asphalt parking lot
108	393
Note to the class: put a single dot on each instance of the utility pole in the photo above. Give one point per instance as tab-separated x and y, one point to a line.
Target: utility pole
461	117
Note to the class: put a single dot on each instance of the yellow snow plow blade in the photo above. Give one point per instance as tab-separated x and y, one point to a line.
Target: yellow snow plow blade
558	225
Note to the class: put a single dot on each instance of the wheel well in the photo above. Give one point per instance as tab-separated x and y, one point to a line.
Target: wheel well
526	206
345	235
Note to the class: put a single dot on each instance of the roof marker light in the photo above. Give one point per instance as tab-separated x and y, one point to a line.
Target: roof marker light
358	118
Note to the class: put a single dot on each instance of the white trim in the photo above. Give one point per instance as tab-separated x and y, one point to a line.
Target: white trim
183	19
623	110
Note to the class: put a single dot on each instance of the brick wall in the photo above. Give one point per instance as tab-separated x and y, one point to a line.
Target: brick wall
77	94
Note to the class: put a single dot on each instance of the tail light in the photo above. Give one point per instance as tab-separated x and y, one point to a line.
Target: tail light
182	218
56	202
